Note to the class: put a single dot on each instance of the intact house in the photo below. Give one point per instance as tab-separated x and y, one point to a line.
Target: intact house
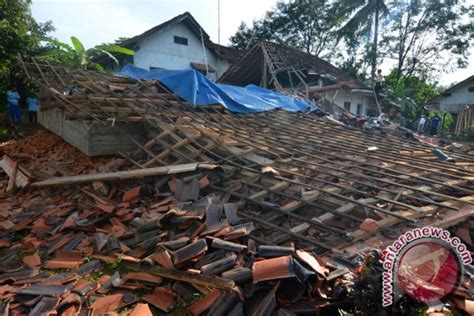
455	98
284	69
177	44
459	101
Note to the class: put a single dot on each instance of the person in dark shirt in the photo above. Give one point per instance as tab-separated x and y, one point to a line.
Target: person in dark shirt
435	122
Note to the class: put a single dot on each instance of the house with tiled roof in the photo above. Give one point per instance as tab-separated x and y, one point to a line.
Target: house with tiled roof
282	68
177	44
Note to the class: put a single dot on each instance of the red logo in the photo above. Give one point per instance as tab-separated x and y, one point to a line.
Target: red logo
428	271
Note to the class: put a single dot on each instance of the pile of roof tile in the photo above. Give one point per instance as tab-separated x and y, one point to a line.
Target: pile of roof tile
136	247
216	213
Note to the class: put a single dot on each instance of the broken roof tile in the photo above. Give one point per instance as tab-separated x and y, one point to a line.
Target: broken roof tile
190	251
227	245
161	298
205	303
106	304
220	266
143	276
273	269
141	310
311	261
131	196
32	261
65	260
370	225
187	191
163	258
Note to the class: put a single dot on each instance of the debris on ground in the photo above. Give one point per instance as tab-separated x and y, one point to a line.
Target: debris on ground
217	213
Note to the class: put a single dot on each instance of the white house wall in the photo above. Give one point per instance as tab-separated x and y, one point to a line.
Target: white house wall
160	51
353	98
458	98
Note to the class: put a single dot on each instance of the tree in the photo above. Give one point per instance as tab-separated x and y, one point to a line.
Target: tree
20	35
76	55
363	14
308	25
411	93
425	34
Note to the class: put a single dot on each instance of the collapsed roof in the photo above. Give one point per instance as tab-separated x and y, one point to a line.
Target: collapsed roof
292	180
277	66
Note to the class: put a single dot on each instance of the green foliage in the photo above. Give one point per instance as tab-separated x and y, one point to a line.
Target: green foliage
470	137
416	88
20	35
428	36
305	25
361	15
76	56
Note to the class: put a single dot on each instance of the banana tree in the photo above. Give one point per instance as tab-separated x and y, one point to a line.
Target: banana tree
76	55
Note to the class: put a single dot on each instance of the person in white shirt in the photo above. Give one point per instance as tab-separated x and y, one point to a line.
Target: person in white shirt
421	125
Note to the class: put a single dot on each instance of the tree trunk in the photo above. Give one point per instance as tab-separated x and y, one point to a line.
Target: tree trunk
376	35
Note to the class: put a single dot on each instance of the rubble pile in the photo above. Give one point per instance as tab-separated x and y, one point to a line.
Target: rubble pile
216	213
155	245
46	155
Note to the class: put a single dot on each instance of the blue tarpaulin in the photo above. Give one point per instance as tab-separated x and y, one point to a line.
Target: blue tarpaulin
197	89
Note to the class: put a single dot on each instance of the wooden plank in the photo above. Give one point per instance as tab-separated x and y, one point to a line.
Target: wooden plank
178	275
11	181
120	175
7	164
277	187
390	220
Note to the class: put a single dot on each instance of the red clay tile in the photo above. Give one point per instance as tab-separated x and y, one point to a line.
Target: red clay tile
106	208
104	258
311	261
141	310
161	298
106	304
272	269
32	261
132	196
163	258
142	276
65	260
370	225
205	303
4	243
6	224
204	182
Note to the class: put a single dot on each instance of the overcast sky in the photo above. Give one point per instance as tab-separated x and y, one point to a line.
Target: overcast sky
100	21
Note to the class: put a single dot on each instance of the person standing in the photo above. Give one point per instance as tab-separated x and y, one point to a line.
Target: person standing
32	102
435	122
421	125
378	84
13	99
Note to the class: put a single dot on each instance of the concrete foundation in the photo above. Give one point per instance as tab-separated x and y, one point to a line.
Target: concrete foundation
92	138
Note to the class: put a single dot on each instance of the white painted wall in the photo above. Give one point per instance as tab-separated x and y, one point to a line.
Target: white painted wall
458	98
159	50
354	98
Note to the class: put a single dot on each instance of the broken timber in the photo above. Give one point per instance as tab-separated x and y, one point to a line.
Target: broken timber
122	175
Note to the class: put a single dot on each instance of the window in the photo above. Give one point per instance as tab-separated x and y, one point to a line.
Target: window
181	40
359	109
470	89
155	68
347	106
